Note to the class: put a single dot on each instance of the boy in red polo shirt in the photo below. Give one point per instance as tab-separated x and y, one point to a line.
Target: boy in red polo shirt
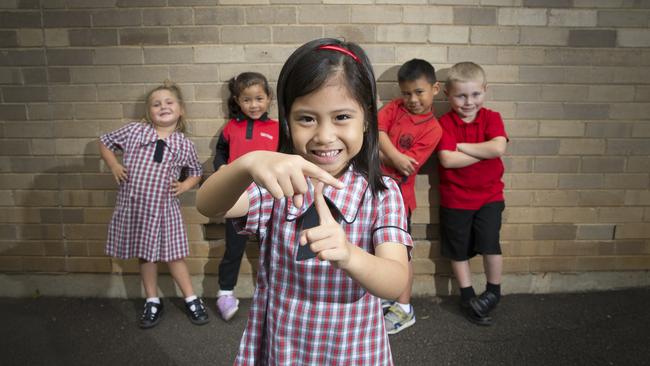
408	134
471	190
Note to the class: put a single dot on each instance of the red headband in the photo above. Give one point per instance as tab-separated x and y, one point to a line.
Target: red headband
333	47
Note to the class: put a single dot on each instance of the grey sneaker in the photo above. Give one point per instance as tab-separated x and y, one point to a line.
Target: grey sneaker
397	319
386	304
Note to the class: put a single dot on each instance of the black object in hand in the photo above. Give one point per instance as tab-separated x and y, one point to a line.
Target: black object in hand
309	220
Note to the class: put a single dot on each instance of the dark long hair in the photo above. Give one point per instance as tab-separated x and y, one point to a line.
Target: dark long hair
237	85
308	69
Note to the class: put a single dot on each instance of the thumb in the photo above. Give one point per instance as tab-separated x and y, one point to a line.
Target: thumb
324	213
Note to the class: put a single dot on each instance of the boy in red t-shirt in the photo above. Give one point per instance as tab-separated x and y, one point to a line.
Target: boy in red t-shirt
408	134
471	190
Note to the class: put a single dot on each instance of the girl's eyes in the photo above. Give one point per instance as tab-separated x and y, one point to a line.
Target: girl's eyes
339	119
305	119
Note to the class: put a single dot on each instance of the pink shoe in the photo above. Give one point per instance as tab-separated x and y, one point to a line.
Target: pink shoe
228	306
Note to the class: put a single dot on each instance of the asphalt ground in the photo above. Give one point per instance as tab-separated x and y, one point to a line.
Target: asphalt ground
594	328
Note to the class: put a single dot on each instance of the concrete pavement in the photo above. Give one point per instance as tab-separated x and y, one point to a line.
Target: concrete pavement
595	328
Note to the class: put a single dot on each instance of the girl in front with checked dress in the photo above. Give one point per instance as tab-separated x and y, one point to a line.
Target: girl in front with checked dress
332	230
147	222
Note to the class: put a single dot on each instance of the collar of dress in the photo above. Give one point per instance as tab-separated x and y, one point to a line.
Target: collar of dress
346	200
173	141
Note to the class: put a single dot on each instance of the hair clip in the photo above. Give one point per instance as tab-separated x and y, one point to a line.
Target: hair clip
333	47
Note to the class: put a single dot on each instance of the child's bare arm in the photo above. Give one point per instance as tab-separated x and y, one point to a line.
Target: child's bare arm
383	274
118	170
491	149
179	188
283	175
455	159
403	163
221	192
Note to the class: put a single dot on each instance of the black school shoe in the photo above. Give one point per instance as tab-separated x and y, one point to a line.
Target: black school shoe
472	316
151	318
484	303
197	312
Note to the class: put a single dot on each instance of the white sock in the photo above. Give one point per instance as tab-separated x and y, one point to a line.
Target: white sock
155	300
190	298
405	307
225	292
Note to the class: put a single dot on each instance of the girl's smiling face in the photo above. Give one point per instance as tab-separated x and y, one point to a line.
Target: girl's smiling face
327	127
164	109
254	101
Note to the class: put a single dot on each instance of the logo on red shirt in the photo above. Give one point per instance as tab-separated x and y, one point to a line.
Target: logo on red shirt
405	141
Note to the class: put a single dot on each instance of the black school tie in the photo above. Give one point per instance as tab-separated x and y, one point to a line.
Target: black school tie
160	149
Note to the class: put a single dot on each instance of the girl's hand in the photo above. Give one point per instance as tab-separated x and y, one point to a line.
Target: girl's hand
405	164
119	173
283	175
328	239
179	188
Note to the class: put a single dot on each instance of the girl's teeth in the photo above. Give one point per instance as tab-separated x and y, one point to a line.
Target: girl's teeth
326	153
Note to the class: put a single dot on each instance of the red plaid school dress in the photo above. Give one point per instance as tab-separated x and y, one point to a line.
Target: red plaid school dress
308	312
147	220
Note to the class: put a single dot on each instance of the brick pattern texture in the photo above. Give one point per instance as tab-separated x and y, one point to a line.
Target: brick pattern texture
571	79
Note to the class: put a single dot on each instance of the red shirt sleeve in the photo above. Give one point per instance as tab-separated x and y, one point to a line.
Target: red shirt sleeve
386	116
494	126
426	144
448	139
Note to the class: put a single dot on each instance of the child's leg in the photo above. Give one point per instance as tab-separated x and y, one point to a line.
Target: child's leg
486	229
149	273
231	262
462	272
181	275
153	307
493	264
196	310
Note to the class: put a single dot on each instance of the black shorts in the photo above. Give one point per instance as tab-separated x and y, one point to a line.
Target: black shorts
466	233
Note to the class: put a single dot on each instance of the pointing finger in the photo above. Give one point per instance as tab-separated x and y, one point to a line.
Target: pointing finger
314	171
324	213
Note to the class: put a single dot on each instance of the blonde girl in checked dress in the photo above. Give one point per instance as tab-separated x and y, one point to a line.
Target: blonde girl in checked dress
147	222
332	230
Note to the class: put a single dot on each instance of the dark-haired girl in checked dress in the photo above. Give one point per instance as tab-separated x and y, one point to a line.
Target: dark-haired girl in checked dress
327	253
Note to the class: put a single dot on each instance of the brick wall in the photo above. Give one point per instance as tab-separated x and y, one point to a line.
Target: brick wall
570	77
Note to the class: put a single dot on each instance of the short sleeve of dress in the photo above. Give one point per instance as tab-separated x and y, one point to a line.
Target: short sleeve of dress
117	139
194	167
260	207
391	225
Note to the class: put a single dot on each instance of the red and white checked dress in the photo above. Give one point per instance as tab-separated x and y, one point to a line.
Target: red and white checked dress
147	220
308	312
